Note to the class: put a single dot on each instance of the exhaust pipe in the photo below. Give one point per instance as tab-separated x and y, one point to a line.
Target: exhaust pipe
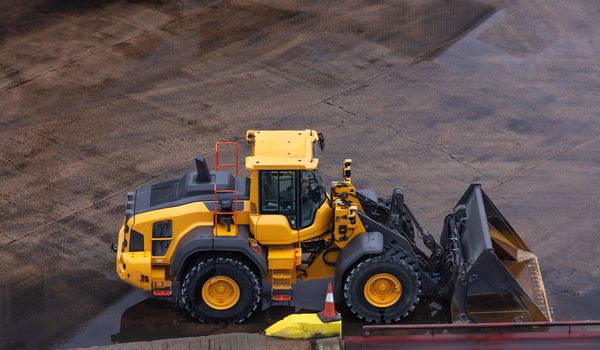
203	174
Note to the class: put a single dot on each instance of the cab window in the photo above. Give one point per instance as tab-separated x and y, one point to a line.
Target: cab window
278	193
311	198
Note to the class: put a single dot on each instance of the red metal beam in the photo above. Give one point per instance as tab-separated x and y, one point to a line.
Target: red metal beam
516	341
478	325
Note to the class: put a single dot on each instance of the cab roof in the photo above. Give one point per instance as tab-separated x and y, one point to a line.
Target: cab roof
282	150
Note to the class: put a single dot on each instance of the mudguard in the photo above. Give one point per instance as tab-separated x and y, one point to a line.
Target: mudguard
363	244
201	239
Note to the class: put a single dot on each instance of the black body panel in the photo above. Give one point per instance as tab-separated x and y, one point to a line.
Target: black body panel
186	190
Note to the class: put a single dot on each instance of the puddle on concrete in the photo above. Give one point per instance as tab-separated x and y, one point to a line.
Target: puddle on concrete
470	43
140	317
99	330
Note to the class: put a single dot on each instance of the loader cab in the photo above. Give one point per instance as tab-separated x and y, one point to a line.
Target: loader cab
296	194
288	200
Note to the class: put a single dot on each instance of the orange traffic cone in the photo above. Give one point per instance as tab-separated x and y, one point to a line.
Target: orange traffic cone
329	314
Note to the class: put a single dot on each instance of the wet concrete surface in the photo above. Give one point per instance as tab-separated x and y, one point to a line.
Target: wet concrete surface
99	97
140	317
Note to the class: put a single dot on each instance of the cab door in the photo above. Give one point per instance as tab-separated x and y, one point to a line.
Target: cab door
278	207
315	211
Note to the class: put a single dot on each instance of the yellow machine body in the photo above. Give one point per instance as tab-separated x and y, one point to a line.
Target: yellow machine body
281	221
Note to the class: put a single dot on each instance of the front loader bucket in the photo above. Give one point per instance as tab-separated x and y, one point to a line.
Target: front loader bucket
498	278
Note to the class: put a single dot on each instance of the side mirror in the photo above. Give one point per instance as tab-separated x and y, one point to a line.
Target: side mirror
321	141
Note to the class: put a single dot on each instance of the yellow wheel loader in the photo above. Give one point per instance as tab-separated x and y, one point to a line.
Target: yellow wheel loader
211	238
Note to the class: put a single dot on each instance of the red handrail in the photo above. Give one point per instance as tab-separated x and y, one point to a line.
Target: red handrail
219	164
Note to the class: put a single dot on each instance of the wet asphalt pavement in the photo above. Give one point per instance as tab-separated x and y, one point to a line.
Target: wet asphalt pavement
98	97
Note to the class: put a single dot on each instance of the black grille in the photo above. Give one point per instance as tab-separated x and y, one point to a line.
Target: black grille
162	229
159	248
130	209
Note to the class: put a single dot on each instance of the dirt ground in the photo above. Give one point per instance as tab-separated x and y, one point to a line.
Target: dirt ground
98	97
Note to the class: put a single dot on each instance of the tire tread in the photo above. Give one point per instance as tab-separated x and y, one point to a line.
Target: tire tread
232	261
397	258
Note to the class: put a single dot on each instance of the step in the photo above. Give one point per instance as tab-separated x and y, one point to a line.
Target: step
280	286
281	294
282	275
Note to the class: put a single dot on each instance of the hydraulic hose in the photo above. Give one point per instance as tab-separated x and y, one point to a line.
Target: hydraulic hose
427	238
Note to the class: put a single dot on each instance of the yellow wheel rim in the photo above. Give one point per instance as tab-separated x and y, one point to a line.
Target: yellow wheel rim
383	290
220	292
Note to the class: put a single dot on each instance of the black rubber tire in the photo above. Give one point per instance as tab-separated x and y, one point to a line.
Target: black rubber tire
399	266
247	280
